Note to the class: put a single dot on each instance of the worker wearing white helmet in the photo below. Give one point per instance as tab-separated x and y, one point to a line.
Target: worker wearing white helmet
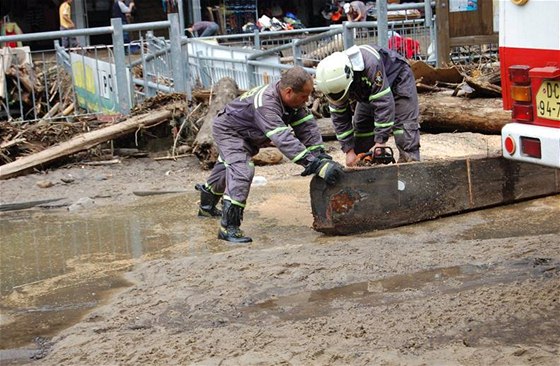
356	11
383	85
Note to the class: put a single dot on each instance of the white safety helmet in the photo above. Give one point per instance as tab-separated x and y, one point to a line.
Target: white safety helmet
333	77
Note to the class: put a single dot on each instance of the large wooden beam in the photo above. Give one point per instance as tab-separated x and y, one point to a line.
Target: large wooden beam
446	113
83	142
386	196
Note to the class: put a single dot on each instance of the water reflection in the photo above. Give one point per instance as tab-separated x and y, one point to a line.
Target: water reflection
55	266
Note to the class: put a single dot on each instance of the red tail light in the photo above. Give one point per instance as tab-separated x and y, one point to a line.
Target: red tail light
531	147
509	145
519	74
522	112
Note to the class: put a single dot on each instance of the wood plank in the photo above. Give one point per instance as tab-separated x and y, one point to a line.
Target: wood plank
392	195
25	205
83	142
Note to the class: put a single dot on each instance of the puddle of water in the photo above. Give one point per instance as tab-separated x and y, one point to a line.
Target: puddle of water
57	266
54	267
399	288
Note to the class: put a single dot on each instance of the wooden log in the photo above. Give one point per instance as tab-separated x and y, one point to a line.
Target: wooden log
203	147
83	142
443	113
392	195
440	112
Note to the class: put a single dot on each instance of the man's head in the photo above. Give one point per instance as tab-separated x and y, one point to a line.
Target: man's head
334	76
296	85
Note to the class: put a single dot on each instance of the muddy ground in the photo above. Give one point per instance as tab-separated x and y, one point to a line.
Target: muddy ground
475	289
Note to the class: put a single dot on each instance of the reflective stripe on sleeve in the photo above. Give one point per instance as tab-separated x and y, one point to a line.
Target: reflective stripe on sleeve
299	156
398	132
380	94
300	121
315	147
344	134
276	130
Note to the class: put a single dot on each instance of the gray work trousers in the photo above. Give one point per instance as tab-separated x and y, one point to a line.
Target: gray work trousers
234	170
406	129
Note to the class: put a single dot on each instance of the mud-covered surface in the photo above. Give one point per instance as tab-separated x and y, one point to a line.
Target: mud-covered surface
475	289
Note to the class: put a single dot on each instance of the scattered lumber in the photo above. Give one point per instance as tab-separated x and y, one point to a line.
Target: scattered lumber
483	88
84	142
429	75
386	196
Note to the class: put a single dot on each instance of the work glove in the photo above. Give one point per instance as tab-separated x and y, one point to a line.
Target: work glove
323	155
330	171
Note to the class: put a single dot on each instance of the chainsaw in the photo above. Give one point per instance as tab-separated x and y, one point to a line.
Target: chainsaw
379	155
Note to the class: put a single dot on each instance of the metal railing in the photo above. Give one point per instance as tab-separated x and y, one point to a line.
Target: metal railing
65	84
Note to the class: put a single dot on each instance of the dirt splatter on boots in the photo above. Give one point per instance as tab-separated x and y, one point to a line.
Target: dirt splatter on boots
231	221
208	202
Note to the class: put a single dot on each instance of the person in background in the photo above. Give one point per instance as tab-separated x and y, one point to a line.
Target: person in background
203	29
355	11
268	113
383	85
121	10
8	28
66	23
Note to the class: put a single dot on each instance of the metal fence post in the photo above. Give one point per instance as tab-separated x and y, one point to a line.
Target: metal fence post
428	19
123	91
347	36
382	24
251	74
296	50
182	17
177	64
257	39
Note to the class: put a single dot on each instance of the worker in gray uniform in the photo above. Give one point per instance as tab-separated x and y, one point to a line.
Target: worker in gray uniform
269	113
383	85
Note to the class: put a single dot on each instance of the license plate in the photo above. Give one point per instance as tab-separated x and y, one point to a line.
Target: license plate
548	100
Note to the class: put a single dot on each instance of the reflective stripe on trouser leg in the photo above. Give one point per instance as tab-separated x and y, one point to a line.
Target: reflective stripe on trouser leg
217	179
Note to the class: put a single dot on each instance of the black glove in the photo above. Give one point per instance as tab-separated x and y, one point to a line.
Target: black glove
326	169
323	155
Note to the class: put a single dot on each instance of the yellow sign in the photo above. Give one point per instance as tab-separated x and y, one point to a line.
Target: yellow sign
95	84
548	100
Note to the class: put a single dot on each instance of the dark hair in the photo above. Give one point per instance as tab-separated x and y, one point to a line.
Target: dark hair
295	78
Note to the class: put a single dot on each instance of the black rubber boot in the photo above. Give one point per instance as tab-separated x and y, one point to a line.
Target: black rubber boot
208	202
231	221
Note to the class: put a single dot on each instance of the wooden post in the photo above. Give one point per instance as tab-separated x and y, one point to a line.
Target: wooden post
442	26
